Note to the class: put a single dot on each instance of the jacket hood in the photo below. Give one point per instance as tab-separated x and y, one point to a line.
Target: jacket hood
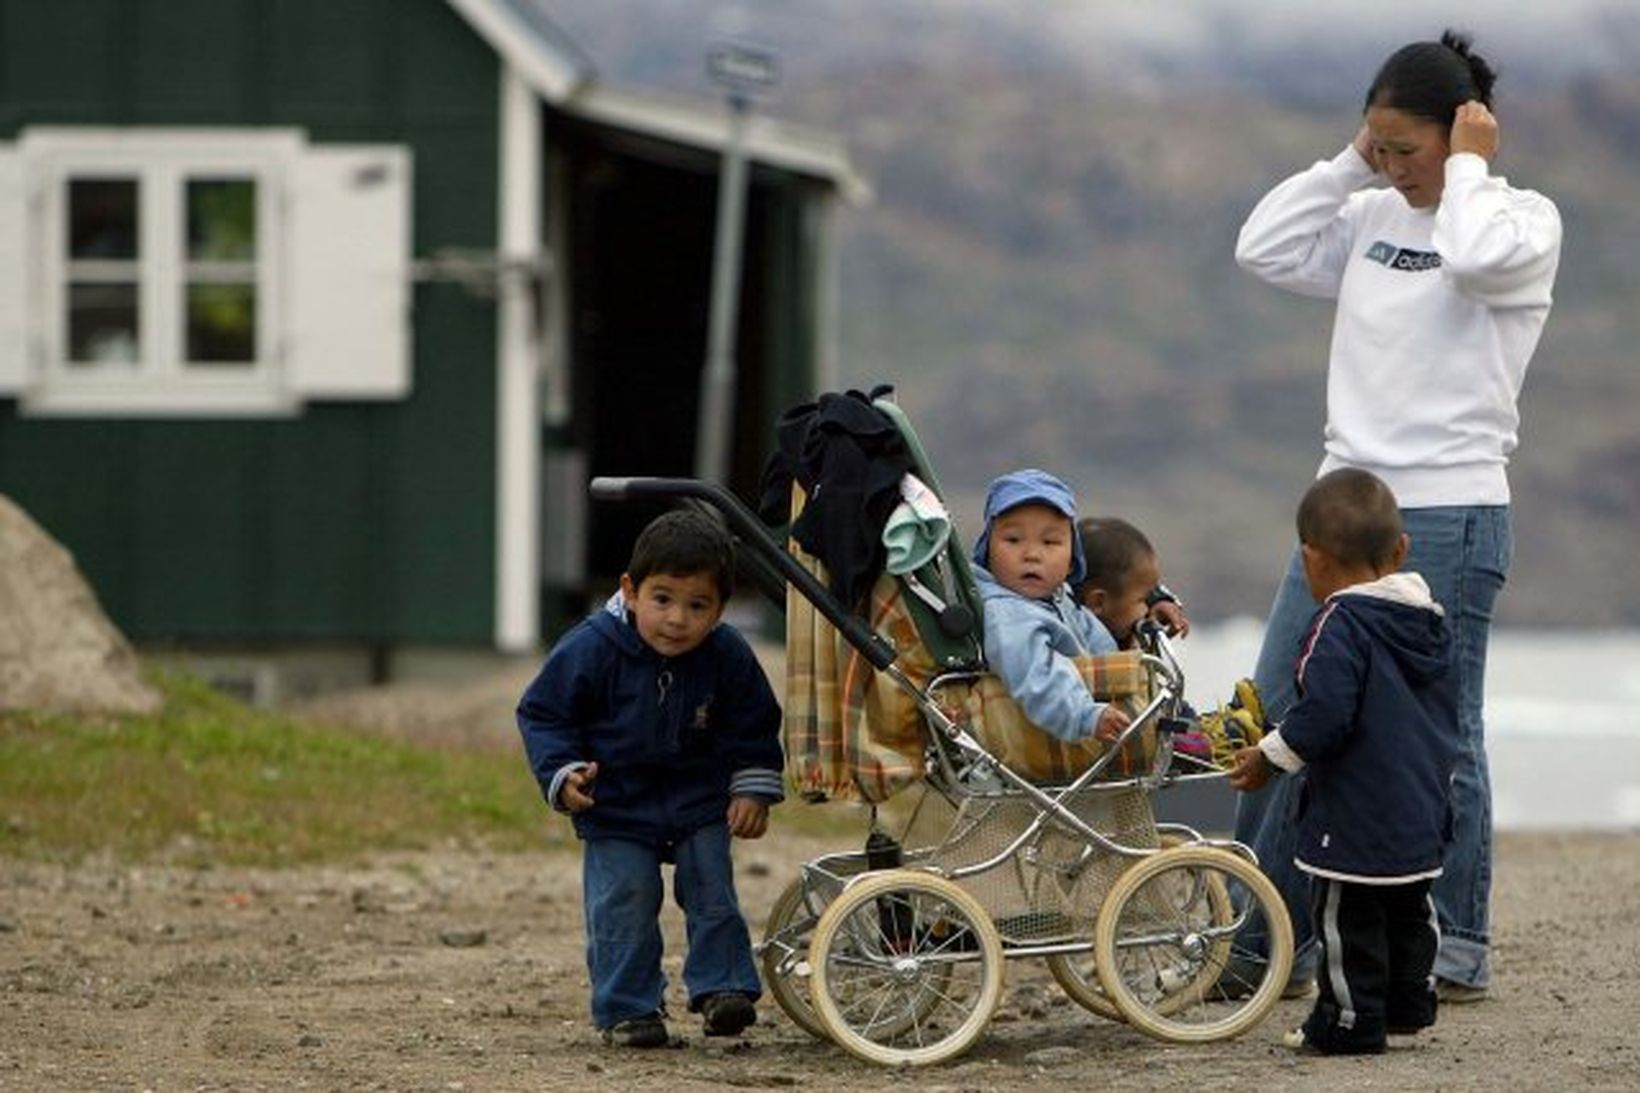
1031	486
1412	625
614	623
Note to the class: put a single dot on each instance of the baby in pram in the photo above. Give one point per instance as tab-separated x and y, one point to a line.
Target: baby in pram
1029	558
1123	588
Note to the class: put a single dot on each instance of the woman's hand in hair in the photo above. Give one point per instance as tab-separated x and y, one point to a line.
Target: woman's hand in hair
1363	146
1474	129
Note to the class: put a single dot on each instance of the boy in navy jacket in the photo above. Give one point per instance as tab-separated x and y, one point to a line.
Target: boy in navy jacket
1376	729
652	724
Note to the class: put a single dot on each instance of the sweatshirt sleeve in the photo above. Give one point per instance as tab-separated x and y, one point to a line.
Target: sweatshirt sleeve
1497	244
1299	236
1042	680
552	713
1330	680
750	724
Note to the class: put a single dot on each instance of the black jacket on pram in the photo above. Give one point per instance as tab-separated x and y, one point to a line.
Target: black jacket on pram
849	459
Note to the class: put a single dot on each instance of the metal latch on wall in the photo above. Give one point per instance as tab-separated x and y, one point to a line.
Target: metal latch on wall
481	272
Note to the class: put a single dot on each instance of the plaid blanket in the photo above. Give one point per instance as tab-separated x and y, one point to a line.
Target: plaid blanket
1001	727
851	732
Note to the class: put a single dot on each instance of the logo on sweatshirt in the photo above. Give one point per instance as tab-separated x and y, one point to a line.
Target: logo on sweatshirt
1407	261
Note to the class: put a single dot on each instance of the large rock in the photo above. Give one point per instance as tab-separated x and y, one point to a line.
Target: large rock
58	651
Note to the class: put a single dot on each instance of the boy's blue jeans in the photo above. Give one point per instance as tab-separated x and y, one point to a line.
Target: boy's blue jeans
1463	552
622	891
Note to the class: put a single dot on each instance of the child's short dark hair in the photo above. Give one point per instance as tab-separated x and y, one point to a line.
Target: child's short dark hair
1351	515
684	542
1112	547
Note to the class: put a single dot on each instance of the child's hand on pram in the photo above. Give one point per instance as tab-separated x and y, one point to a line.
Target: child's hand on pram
576	792
1112	724
1249	769
748	817
1170	613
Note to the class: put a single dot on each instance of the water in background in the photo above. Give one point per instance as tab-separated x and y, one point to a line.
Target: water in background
1561	738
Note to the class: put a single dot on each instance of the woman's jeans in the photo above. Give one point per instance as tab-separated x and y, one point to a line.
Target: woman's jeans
1463	553
622	892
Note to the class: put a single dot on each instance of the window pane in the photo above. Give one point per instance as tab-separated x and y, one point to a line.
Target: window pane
221	323
102	323
102	218
221	220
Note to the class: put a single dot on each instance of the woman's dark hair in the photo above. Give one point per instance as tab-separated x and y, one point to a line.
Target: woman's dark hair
682	543
1432	79
1352	515
1112	547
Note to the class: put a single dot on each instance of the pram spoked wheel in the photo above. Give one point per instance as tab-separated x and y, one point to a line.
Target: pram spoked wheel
785	956
906	968
1166	936
786	969
1078	973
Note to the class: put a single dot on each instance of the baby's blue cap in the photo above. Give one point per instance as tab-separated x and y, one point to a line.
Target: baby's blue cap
1031	486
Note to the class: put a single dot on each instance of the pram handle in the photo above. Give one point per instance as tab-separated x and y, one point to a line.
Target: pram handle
745	524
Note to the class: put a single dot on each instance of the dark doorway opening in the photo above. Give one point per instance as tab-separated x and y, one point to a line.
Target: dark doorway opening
642	219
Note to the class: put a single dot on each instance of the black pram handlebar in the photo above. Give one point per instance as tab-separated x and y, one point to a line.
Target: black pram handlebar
745	524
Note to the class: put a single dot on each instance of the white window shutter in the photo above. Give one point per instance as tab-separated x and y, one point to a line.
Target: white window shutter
349	333
14	367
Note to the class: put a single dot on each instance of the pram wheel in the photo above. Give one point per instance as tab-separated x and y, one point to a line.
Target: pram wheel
1166	933
1078	977
1078	974
906	968
785	956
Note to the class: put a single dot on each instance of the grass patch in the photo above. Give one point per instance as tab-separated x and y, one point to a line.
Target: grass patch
210	780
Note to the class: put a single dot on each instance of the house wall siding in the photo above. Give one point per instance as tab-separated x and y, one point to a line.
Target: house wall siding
352	521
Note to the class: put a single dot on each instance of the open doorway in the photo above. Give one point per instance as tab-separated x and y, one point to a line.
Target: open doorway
641	237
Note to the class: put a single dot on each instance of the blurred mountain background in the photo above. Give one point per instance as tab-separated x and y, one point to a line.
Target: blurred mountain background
1045	272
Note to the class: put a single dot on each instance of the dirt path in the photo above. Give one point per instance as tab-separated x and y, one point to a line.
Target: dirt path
448	970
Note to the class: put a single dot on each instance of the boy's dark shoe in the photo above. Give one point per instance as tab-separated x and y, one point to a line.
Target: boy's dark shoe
1298	1040
727	1014
638	1032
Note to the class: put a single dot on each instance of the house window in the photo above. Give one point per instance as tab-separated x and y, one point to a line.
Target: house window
158	269
103	272
220	278
200	271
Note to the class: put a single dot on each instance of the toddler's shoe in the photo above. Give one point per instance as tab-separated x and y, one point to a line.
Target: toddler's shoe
647	1031
727	1014
1297	1041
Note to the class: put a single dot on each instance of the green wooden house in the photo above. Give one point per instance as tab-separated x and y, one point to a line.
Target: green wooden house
317	315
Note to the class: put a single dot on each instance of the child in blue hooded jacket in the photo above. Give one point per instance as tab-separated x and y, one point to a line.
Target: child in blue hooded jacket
1028	558
652	724
1375	728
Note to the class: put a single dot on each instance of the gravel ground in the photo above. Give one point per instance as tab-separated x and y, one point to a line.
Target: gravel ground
458	969
453	969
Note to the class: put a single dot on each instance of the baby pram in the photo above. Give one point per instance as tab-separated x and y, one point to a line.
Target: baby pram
896	951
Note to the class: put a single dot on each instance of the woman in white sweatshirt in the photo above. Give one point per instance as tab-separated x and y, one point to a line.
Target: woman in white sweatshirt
1442	275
